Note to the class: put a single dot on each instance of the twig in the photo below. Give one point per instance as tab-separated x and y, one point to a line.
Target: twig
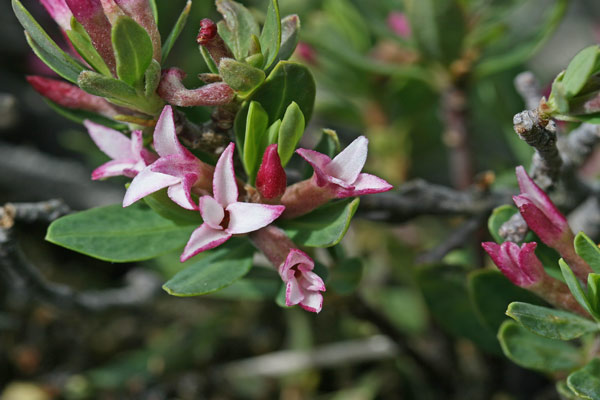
454	240
456	137
141	287
282	363
528	87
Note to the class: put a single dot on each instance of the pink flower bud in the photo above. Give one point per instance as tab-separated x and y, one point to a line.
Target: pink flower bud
209	38
141	13
59	12
399	24
70	96
172	90
271	179
520	265
306	53
90	14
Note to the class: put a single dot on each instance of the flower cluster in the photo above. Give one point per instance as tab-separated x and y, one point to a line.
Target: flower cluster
222	200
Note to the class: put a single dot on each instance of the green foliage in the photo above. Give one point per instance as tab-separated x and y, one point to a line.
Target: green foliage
324	227
166	208
549	322
537	352
176	30
118	234
346	275
237	28
290	132
79	116
499	216
133	50
586	381
576	289
240	76
581	67
588	250
83	44
445	291
152	78
213	271
290	27
254	143
491	293
44	47
270	37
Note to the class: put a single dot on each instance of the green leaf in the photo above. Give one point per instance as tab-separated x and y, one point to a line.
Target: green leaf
575	288
176	30
290	132
44	47
118	234
439	28
256	127
564	391
586	381
491	293
83	44
154	10
346	276
270	37
594	292
290	27
581	67
324	227
537	352
499	216
444	288
161	203
250	289
549	322
238	27
272	134
346	22
588	250
214	271
133	49
212	67
81	115
329	143
152	78
240	76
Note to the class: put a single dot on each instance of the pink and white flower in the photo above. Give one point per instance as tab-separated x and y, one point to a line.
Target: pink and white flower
225	216
177	168
129	156
343	172
302	285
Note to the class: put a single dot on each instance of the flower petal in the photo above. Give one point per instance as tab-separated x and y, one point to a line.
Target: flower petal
180	194
145	183
60	12
112	143
248	217
318	161
311	281
202	239
348	164
313	302
165	135
212	212
293	293
225	188
547	229
365	184
297	257
114	168
177	165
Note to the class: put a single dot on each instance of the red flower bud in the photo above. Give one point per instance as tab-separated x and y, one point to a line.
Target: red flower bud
208	37
208	31
271	178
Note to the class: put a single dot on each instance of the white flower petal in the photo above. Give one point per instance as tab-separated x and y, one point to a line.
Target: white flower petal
366	184
293	293
212	212
249	217
112	143
225	188
348	164
147	182
180	194
313	301
113	168
165	136
202	239
319	162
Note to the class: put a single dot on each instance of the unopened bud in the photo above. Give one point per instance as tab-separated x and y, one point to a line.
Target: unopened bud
271	179
209	38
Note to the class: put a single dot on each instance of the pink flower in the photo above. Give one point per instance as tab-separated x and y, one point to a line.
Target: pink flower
520	265
223	215
303	286
172	90
177	168
271	179
399	24
129	156
342	174
539	212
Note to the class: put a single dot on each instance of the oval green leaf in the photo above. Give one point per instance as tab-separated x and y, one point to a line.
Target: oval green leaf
133	49
586	382
270	37
118	234
588	250
290	132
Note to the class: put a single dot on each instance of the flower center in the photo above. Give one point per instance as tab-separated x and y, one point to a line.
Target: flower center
225	222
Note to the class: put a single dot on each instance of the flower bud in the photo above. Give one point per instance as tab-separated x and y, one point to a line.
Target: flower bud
59	12
172	90
520	265
209	38
271	180
398	23
70	96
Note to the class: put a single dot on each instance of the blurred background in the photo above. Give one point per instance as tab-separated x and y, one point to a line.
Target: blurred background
409	90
